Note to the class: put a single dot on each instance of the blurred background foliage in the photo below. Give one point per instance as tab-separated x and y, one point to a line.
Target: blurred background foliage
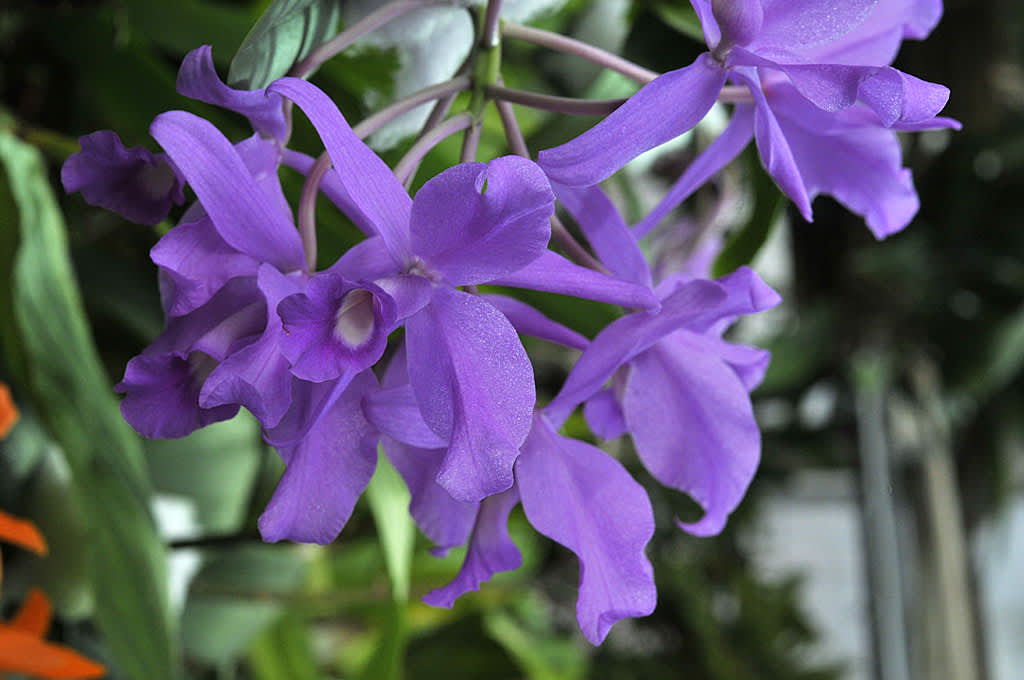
156	567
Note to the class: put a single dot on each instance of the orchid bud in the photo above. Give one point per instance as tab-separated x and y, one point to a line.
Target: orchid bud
739	20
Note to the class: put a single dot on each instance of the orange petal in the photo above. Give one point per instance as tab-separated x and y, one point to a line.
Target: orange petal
34	615
21	532
23	652
8	411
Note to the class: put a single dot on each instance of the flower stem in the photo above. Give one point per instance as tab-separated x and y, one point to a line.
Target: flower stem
490	36
576	252
735	94
569	45
307	208
470	143
427	94
428	141
437	114
546	102
513	134
367	24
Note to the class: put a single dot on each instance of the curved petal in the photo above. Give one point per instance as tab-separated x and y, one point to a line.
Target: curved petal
795	24
606	232
860	166
162	395
395	412
662	110
490	550
583	498
474	385
719	153
528	321
332	187
444	520
554	274
198	262
693	425
245	217
370	184
624	338
198	79
876	41
775	152
604	415
25	653
712	33
478	221
135	183
325	473
257	376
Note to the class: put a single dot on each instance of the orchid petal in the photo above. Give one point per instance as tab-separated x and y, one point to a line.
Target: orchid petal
257	376
604	416
581	497
624	338
775	153
606	232
642	123
162	395
370	184
554	274
490	550
332	187
135	183
198	263
198	79
325	473
693	425
719	153
528	321
444	520
395	412
478	221
244	215
474	385
790	24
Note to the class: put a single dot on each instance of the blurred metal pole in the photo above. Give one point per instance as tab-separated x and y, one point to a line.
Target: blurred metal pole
870	378
955	654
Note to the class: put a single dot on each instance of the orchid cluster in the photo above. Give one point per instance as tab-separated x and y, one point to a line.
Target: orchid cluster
406	343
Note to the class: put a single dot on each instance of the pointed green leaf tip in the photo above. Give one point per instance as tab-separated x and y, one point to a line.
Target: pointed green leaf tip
286	33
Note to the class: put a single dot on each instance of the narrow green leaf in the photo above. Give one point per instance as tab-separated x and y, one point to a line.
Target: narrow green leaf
184	25
540	657
745	243
286	32
284	651
74	399
389	503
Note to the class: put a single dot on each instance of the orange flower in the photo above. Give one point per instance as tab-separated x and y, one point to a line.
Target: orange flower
22	647
8	411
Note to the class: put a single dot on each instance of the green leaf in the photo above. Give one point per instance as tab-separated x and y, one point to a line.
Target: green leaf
389	503
540	657
286	33
745	243
74	399
682	18
284	651
184	25
197	466
236	597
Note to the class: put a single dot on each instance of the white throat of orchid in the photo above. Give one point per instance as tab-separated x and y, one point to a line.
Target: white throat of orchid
354	322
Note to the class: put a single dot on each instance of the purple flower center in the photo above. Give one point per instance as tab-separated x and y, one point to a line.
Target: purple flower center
354	322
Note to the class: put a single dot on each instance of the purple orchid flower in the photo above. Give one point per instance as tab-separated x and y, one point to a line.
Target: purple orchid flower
678	388
814	89
472	224
571	492
142	186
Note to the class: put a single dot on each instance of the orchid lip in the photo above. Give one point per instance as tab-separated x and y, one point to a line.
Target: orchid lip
354	322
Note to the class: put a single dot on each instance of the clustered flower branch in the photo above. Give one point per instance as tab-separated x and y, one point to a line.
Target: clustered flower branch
252	323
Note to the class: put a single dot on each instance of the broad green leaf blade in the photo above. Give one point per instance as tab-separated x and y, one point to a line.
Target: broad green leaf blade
744	244
216	467
236	597
286	33
682	18
389	503
73	397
